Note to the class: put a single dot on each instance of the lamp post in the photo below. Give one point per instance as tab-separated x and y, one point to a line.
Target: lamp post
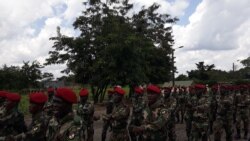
173	68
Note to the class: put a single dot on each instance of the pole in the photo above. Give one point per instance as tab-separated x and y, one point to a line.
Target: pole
173	71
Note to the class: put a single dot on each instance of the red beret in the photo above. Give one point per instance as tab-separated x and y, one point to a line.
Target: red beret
14	97
154	89
199	86
3	93
39	98
84	92
50	90
119	90
66	94
138	90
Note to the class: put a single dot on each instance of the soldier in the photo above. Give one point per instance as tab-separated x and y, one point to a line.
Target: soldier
137	113
109	109
181	104
48	106
191	100
170	105
242	105
213	106
119	117
224	115
12	121
86	111
64	126
201	115
156	117
37	128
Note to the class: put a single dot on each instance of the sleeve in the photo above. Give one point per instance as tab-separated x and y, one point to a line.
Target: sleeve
123	113
160	122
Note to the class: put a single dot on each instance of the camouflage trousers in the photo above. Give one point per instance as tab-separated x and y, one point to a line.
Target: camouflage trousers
188	121
171	130
242	117
90	133
121	135
218	129
199	131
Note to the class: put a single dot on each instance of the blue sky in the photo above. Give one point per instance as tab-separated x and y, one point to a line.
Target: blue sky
216	32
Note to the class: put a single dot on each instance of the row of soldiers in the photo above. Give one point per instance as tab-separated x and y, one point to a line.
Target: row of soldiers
153	117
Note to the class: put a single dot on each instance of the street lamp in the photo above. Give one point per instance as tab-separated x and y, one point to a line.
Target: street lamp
234	66
173	68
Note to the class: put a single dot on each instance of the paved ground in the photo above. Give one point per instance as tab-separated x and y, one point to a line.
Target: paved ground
180	128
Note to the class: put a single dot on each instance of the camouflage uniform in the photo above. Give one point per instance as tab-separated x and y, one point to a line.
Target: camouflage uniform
213	109
36	130
12	123
155	122
67	129
191	100
181	101
107	124
170	105
200	119
137	116
86	112
224	118
48	108
119	119
242	113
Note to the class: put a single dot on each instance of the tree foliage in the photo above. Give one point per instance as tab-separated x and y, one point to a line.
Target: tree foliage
28	75
115	46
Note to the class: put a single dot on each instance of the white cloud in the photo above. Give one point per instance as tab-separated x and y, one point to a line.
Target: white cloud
217	33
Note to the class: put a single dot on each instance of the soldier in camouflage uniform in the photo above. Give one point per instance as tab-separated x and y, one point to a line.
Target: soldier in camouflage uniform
64	125
170	105
156	117
213	106
224	115
48	108
191	99
12	121
242	108
201	115
119	117
109	109
86	111
37	128
137	113
181	102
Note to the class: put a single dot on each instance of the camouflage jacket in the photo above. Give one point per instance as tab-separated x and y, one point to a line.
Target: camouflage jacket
155	120
225	107
48	109
242	103
36	130
12	123
170	104
67	129
86	113
119	117
201	109
138	106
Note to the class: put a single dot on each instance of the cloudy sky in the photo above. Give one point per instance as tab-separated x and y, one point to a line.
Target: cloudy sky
214	31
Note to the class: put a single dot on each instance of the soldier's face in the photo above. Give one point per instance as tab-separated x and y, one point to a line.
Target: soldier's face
152	98
83	99
117	98
9	105
34	108
60	107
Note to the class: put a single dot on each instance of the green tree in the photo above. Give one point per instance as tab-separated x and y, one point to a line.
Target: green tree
115	47
201	73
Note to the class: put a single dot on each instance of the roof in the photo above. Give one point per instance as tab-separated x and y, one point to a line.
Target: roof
179	83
